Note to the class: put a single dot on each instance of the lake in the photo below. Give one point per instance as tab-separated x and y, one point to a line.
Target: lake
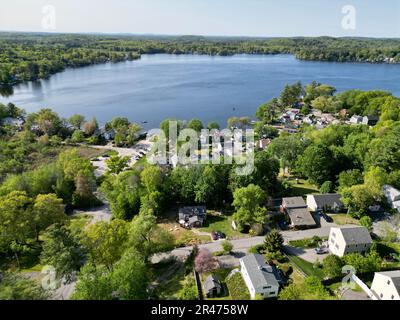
190	86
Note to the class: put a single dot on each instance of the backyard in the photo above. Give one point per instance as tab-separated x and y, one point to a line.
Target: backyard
222	223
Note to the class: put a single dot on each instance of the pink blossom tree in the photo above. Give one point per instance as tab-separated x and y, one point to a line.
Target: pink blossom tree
205	262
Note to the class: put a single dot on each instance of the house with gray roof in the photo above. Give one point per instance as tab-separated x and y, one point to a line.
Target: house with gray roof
329	202
212	286
192	217
371	120
386	285
297	212
347	240
260	278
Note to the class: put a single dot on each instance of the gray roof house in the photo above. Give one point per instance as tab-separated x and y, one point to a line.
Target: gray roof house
329	202
212	286
297	211
356	119
260	278
347	240
192	217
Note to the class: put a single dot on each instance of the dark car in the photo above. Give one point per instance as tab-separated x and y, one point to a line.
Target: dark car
327	218
221	235
214	236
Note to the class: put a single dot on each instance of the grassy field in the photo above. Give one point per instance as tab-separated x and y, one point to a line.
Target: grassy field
237	288
223	223
302	187
306	267
342	219
308	243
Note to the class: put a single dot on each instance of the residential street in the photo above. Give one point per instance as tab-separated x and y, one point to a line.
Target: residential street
241	246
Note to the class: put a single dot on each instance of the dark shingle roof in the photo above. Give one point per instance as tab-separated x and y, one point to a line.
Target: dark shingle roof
260	273
211	282
301	217
328	200
294	202
356	235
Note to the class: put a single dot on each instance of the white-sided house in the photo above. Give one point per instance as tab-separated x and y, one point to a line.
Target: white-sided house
347	240
330	202
392	196
386	285
260	278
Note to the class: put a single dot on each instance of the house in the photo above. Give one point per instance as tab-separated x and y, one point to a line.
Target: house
13	122
192	217
330	202
260	278
370	120
296	210
392	196
343	241
356	119
212	286
263	143
107	134
386	285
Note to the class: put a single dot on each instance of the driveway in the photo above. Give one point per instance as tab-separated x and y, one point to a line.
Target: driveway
97	214
306	254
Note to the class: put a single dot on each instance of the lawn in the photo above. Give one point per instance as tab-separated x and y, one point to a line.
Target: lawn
308	243
306	267
237	288
221	223
302	188
343	218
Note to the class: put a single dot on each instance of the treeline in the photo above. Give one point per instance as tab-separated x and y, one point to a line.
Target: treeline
28	57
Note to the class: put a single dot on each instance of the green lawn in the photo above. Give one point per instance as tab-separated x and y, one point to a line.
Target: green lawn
302	188
222	223
306	267
308	243
237	288
343	218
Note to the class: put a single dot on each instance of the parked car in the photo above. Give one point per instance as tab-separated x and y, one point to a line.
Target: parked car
283	225
327	218
221	235
321	250
214	236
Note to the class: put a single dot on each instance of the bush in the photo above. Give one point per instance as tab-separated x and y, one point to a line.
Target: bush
227	247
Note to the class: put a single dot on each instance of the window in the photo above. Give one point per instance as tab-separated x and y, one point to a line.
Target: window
269	287
333	235
381	295
272	293
388	282
337	246
392	297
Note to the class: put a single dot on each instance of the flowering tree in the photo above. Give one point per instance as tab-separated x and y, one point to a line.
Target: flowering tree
205	262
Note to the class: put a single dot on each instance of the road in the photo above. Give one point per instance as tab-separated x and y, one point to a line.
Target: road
241	246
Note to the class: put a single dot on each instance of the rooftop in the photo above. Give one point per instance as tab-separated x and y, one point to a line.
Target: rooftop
356	235
260	273
294	202
301	217
328	199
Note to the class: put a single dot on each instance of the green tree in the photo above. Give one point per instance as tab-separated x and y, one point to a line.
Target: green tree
332	266
48	210
62	250
213	126
196	125
151	178
94	283
227	247
17	287
327	187
78	136
273	242
189	290
117	164
77	121
248	203
106	241
366	222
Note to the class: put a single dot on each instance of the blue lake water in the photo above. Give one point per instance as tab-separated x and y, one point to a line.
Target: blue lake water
190	86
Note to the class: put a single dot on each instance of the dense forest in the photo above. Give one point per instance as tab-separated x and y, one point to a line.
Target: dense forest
28	57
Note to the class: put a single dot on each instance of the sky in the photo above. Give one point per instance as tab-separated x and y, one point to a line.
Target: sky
261	18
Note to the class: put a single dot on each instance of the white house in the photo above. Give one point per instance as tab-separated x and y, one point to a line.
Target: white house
392	196
386	285
260	278
330	202
356	119
347	240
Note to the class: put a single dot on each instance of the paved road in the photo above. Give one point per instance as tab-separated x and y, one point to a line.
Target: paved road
97	214
243	245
